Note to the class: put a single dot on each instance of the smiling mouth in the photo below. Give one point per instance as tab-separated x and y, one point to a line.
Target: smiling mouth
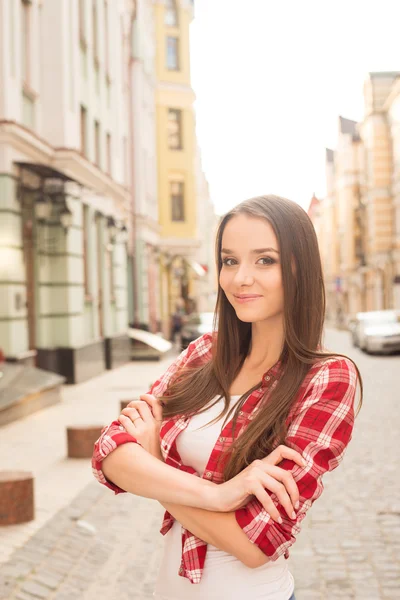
246	298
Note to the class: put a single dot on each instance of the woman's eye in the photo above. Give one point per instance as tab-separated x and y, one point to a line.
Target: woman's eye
226	261
229	262
268	260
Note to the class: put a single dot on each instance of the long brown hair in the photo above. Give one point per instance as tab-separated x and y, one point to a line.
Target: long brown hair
304	312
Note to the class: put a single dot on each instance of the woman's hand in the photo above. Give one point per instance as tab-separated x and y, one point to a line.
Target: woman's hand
261	474
142	419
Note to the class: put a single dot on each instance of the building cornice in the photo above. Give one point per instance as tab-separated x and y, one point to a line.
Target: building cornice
72	163
179	245
181	88
25	141
66	160
394	93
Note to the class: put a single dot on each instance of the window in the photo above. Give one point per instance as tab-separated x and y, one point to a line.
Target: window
172	53
25	40
83	131
174	129
108	144
86	250
97	143
177	200
126	160
82	21
106	39
171	14
95	33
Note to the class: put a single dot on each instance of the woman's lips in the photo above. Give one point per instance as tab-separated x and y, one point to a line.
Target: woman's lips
246	299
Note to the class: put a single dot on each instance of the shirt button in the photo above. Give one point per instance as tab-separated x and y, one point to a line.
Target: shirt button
208	474
180	570
268	378
221	439
240	412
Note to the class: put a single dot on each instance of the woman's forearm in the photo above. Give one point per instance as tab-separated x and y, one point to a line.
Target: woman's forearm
219	529
135	470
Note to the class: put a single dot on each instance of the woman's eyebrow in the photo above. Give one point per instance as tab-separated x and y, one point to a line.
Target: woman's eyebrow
256	251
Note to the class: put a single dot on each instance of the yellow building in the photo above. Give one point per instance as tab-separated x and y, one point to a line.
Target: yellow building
360	213
176	152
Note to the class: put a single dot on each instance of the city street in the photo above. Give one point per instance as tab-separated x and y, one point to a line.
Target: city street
86	543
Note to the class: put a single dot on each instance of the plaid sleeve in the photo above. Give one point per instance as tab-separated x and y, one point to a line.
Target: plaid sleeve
115	434
320	431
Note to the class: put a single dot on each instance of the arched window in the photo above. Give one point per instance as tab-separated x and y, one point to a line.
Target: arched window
171	13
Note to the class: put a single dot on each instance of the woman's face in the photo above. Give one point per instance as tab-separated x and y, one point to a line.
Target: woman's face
251	267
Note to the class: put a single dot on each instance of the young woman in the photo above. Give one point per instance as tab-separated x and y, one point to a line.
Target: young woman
236	491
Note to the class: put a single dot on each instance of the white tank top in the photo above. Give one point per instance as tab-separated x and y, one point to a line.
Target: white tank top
224	577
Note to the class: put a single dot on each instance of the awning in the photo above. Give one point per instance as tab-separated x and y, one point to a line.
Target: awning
197	268
150	339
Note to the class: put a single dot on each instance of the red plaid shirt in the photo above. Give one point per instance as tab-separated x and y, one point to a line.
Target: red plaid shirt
320	426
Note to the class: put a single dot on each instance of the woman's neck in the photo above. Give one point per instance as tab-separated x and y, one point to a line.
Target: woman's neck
267	339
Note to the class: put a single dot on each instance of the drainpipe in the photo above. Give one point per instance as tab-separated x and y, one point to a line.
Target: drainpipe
131	62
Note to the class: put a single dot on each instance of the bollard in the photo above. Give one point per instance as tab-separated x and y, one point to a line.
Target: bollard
16	497
81	439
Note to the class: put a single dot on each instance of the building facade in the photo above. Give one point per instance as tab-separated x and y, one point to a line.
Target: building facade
64	179
144	265
360	222
205	285
176	147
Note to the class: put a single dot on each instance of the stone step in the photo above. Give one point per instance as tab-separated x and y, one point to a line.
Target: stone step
25	389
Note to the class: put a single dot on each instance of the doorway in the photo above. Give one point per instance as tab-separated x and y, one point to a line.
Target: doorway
28	244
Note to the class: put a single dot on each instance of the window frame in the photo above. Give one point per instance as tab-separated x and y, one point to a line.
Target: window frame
176	66
82	24
174	198
179	123
109	153
85	233
97	143
95	33
83	123
26	41
171	9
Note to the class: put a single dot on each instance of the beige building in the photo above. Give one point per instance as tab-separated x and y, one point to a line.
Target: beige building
359	228
64	184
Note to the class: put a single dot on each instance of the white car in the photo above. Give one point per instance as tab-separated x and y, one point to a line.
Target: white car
383	338
363	320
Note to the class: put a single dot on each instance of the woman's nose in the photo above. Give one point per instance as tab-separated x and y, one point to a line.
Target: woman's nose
243	276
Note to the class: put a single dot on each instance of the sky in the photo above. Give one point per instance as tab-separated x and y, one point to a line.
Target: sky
271	78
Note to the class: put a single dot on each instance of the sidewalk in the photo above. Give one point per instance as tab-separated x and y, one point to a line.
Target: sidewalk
37	443
86	543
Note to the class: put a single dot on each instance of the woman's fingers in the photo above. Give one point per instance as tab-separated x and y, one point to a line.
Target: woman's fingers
128	425
154	404
259	492
138	408
280	482
288	481
282	452
285	489
280	491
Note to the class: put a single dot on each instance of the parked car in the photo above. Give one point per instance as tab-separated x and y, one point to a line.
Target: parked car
366	319
382	338
195	325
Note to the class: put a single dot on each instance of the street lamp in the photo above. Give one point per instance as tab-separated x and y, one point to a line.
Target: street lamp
112	226
123	234
66	217
42	208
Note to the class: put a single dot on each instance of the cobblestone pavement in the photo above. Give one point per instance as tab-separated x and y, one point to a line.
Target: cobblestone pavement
101	545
